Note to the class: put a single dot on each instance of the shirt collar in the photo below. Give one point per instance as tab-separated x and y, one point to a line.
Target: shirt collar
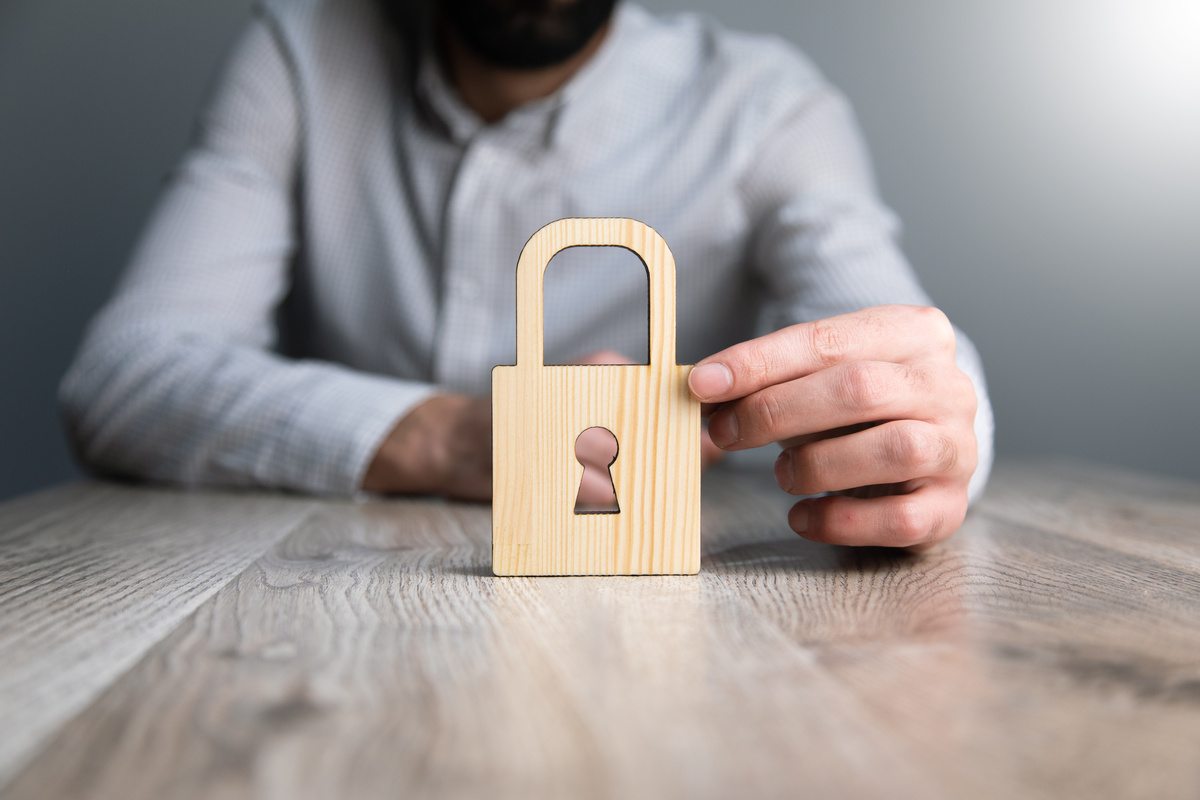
541	119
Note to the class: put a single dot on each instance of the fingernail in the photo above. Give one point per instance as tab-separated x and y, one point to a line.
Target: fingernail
798	517
783	472
723	428
710	380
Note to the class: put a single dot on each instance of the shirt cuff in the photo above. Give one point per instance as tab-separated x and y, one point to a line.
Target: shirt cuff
336	431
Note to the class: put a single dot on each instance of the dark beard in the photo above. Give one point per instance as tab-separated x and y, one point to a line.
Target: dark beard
525	34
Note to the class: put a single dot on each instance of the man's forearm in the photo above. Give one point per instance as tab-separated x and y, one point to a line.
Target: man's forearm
153	400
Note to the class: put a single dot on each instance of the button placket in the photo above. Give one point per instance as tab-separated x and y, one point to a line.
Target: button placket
462	345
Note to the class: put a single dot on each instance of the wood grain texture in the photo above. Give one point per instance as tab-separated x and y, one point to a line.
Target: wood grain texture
92	576
539	411
1049	650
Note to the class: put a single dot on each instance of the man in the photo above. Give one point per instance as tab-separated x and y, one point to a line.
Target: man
359	190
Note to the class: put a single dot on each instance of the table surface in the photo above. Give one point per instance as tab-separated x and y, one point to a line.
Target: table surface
157	643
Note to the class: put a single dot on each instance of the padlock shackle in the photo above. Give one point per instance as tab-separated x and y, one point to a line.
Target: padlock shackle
636	236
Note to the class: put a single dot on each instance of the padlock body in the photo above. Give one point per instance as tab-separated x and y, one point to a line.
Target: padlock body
537	414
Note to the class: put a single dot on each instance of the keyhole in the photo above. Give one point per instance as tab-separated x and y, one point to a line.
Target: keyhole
596	449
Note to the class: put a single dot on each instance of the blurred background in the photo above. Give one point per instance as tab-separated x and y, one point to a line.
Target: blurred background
1045	158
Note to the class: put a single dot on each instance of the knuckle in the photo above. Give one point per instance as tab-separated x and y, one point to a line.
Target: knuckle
902	444
811	469
951	390
864	388
765	413
829	341
920	450
964	390
944	457
758	361
965	448
938	329
918	380
911	522
968	454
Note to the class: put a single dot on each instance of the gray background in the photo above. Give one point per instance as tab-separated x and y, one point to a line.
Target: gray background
1045	158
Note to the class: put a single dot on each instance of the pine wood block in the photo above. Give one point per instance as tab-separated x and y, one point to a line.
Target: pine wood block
539	411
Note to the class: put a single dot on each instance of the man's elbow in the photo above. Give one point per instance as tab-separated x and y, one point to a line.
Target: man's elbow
93	410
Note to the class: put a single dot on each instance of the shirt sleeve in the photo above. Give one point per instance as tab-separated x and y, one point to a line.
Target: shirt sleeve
826	245
177	379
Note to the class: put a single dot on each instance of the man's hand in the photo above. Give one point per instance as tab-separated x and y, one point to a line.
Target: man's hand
444	446
869	405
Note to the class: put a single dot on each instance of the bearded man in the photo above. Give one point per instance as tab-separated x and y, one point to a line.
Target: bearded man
321	294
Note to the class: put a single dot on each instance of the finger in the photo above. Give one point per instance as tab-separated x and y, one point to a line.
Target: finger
883	333
843	395
796	441
710	454
890	453
916	520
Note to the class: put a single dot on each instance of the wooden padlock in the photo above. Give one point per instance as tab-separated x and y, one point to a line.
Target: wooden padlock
539	411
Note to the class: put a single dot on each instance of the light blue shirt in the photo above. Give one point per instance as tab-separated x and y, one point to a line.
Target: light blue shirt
340	241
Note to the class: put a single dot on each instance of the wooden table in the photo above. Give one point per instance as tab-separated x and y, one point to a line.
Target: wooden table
156	643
